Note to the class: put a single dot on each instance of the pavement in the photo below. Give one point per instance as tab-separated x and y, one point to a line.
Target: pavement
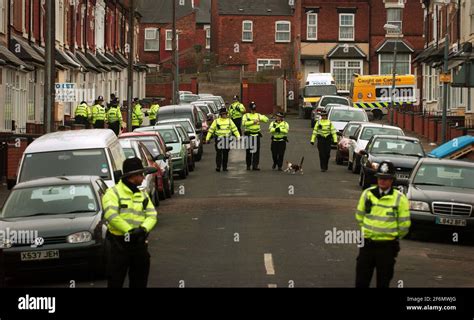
272	229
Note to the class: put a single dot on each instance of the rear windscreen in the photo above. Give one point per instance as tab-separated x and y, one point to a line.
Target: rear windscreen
65	163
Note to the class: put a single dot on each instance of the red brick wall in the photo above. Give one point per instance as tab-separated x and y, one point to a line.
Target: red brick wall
165	90
14	155
263	94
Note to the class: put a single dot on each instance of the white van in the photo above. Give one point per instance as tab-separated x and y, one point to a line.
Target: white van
74	153
317	85
320	79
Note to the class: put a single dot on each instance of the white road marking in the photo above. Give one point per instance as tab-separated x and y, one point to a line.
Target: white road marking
272	286
269	264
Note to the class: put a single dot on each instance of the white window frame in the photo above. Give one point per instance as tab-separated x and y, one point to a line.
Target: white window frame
348	76
398	23
308	25
398	61
262	63
288	23
148	39
247	31
23	16
347	26
169	40
99	25
3	16
60	21
207	29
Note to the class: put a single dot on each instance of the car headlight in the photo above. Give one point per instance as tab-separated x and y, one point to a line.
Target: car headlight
80	237
419	206
375	165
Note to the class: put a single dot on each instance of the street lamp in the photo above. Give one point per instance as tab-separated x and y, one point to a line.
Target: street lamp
391	28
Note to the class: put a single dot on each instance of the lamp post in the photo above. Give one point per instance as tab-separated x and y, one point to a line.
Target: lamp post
395	29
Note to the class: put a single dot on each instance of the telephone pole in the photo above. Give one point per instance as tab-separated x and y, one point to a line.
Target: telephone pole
50	74
175	63
131	50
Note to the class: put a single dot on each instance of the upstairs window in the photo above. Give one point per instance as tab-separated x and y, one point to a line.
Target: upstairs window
346	27
282	31
247	31
152	39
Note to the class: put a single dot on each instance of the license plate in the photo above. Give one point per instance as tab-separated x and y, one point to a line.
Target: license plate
451	222
40	255
405	176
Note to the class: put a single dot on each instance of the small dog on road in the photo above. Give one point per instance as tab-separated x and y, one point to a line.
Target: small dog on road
294	168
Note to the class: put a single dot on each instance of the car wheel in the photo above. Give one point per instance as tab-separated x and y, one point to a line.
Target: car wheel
155	198
307	114
192	165
167	187
182	174
349	165
355	164
172	183
339	161
199	155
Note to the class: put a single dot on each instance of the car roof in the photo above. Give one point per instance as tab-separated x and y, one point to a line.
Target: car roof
139	134
128	142
157	127
73	140
56	181
175	120
378	125
396	138
457	163
332	96
177	108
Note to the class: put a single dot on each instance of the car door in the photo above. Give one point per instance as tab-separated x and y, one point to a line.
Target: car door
353	144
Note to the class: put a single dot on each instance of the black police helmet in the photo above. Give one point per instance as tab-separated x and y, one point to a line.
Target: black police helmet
386	170
252	106
132	167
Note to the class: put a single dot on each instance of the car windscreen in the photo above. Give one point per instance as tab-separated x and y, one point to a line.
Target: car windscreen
445	176
334	100
347	115
50	200
65	163
129	153
169	135
152	147
350	130
174	116
395	146
318	91
369	132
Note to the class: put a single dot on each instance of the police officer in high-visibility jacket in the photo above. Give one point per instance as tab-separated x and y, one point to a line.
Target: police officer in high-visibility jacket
279	130
253	132
236	112
153	113
137	114
384	217
222	129
326	134
83	114
130	217
114	117
99	114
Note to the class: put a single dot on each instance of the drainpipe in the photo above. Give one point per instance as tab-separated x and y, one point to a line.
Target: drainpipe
30	25
9	18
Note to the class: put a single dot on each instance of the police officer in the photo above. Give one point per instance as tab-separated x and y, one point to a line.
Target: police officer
236	112
114	117
279	130
326	134
82	114
130	217
222	129
153	113
137	114
98	114
384	217
251	122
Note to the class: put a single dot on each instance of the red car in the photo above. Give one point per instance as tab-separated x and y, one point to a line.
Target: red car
342	153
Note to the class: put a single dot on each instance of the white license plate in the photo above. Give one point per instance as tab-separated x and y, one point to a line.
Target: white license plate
403	176
451	222
40	255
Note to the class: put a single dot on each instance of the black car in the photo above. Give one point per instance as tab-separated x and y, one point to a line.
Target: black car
403	152
54	223
441	194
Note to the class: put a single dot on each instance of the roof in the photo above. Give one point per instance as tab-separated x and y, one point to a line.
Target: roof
176	109
161	11
73	140
389	47
346	51
25	52
10	58
56	181
255	8
203	13
139	134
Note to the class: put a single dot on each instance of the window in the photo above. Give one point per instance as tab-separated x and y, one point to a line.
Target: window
247	31
152	39
395	17
431	84
386	63
100	26
60	21
282	31
343	70
312	26
31	97
169	40
268	64
2	16
208	36
346	27
472	18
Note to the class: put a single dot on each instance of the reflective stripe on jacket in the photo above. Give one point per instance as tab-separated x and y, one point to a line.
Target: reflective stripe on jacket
283	133
222	128
249	123
324	128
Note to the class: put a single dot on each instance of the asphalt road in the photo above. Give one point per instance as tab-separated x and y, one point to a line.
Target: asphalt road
268	229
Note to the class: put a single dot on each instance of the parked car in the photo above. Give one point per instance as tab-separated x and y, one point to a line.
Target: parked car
204	119
323	102
153	183
195	136
187	111
342	153
215	105
178	151
218	99
66	213
190	146
203	95
74	153
441	194
208	111
160	152
403	152
188	98
340	116
361	138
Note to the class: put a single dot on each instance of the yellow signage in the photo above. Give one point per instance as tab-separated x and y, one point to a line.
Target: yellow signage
445	78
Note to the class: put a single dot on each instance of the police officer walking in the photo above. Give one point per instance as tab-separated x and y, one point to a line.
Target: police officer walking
83	114
98	114
384	217
114	117
279	130
325	132
251	122
222	129
137	114
236	112
130	217
153	113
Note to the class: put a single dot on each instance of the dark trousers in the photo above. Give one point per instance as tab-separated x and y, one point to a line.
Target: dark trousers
115	127
253	159
125	258
99	124
278	152
152	122
379	255
238	124
324	147
222	153
82	120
